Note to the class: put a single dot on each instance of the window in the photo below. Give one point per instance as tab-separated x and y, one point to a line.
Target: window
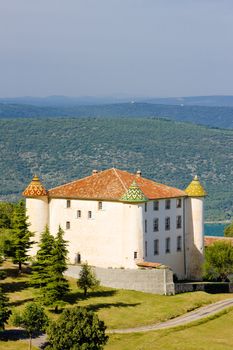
179	244
145	225
79	213
145	207
100	205
167	204
167	224
67	225
89	214
156	205
178	203
167	245
135	255
156	225
178	221
68	203
156	247
145	248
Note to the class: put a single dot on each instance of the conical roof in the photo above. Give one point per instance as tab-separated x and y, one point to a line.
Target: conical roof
134	194
35	188
195	188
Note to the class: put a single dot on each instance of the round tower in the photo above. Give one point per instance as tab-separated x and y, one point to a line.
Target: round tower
194	229
36	209
133	244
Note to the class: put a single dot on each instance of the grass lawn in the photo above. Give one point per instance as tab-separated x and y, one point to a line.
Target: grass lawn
214	334
117	308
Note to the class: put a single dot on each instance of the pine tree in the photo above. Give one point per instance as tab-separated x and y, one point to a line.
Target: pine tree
87	279
21	239
33	319
57	286
40	268
4	309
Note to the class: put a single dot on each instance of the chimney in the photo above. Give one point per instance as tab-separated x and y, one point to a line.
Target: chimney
139	173
94	172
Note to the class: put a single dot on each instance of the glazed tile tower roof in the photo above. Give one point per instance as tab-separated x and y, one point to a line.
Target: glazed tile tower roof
195	189
112	184
134	194
35	188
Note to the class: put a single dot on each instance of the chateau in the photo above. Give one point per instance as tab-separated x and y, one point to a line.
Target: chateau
116	219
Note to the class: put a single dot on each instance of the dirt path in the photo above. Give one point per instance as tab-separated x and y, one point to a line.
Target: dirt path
198	314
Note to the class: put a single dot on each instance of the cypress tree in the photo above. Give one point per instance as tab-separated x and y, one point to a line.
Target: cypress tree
57	286
21	238
40	267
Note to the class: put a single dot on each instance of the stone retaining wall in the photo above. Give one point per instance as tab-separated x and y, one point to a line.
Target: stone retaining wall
158	281
213	287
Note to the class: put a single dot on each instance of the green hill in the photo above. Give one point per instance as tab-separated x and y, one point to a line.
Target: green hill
62	149
220	117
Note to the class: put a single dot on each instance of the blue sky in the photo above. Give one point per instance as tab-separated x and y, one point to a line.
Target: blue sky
154	48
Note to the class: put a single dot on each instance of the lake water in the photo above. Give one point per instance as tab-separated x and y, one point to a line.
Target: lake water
214	229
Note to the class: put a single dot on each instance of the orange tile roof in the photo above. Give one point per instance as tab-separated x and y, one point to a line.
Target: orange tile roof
208	240
150	265
112	184
35	188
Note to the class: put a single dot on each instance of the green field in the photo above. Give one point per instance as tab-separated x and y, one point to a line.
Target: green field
63	149
117	308
213	334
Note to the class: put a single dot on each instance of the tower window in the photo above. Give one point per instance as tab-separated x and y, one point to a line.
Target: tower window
167	224
178	221
89	214
179	243
100	205
145	225
145	248
156	225
156	247
67	225
145	207
79	213
167	245
135	255
68	203
156	205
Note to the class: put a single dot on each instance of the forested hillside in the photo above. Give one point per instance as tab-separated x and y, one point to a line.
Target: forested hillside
63	149
221	117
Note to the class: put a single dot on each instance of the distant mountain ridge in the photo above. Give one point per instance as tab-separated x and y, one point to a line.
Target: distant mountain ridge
219	117
66	101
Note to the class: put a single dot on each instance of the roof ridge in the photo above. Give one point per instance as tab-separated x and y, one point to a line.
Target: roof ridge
114	169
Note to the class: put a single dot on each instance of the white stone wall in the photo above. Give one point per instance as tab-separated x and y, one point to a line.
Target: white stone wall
108	239
174	258
37	212
115	233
